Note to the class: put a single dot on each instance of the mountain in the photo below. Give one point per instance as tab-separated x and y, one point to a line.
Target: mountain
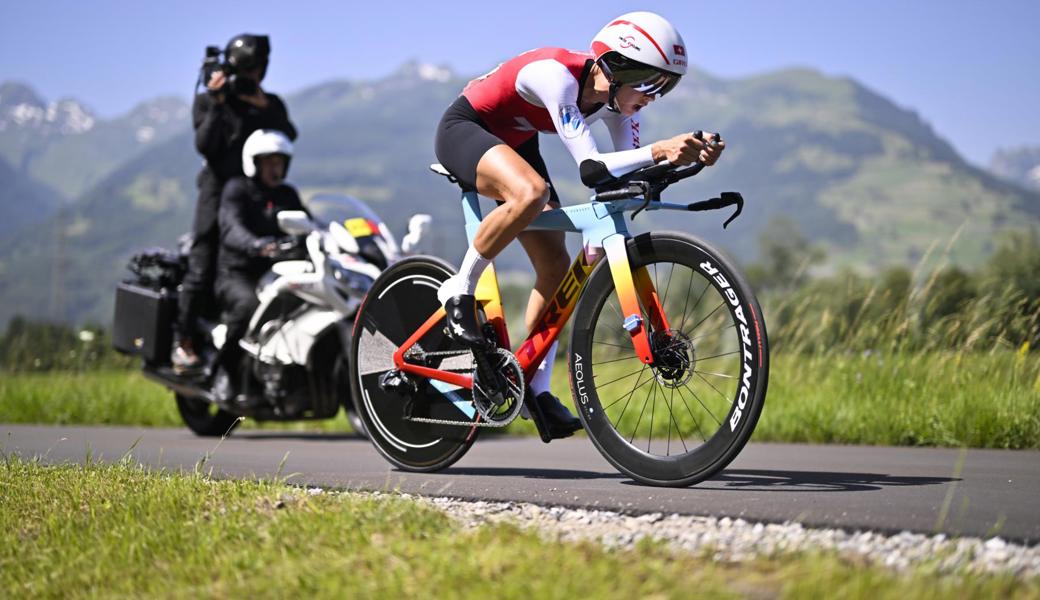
870	180
67	268
23	201
65	146
1020	165
22	109
866	178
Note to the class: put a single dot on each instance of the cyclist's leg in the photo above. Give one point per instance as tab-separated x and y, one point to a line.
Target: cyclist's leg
548	253
481	161
504	175
546	249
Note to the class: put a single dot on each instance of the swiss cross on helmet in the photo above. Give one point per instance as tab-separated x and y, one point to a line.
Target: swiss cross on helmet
641	50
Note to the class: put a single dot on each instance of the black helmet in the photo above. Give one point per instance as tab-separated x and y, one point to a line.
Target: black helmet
247	51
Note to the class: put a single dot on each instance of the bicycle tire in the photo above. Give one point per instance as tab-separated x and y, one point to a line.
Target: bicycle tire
743	354
399	302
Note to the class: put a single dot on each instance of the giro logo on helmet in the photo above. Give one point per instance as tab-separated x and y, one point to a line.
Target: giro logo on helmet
628	42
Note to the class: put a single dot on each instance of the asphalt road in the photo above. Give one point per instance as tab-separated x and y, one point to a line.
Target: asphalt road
959	492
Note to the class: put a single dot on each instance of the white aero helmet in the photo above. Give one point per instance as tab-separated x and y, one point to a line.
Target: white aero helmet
641	50
262	142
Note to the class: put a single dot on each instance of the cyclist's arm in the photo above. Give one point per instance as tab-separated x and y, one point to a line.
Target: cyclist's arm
556	89
624	131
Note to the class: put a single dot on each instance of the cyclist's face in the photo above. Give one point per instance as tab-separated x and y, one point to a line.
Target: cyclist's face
630	101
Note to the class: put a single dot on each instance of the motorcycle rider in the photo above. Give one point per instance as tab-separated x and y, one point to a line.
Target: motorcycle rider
249	230
488	139
233	107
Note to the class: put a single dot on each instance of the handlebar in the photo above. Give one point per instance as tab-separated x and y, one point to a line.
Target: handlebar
649	182
288	248
652	178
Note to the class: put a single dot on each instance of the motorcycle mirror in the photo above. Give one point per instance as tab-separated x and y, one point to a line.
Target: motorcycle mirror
417	226
295	222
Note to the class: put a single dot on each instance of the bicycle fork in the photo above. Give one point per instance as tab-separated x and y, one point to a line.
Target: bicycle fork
634	286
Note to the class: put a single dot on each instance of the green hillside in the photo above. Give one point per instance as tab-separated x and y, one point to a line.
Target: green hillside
23	201
868	180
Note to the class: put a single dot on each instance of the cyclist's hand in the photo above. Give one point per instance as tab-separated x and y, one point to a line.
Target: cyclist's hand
711	147
680	150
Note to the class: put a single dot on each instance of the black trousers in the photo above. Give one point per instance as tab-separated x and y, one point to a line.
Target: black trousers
237	294
197	297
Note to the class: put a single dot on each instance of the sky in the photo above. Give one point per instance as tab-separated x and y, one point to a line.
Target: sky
971	69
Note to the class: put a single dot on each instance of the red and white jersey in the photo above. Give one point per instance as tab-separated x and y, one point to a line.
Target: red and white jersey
539	91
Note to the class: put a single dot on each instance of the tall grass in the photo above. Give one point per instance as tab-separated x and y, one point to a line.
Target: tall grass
106	397
984	400
923	399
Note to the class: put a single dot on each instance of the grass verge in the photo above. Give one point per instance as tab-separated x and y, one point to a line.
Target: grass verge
982	400
122	530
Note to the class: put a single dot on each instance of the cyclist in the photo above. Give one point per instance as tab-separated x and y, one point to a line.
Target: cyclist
488	139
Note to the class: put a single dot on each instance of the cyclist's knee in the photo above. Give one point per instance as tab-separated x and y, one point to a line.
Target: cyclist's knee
531	197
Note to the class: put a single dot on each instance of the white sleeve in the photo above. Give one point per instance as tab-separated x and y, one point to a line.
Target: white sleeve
624	131
549	83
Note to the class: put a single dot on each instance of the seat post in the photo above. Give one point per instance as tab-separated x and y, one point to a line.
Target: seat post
471	214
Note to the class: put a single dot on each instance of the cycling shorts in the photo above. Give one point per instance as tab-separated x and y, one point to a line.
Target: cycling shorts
462	140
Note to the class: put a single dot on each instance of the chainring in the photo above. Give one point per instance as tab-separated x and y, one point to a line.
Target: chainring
509	381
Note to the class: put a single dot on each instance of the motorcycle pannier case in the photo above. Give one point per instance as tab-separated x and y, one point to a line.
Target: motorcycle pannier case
143	323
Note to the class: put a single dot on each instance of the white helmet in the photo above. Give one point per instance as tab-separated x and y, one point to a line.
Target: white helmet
642	50
262	142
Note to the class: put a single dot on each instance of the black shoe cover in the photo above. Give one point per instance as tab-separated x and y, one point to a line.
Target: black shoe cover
463	325
560	422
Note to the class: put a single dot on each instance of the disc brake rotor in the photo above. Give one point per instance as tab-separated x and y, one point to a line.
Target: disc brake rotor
674	357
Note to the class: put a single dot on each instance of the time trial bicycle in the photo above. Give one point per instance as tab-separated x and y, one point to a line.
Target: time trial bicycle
668	356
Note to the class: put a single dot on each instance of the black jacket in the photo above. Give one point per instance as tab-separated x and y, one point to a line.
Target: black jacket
248	212
221	129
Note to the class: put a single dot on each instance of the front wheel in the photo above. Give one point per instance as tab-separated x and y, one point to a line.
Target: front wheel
684	417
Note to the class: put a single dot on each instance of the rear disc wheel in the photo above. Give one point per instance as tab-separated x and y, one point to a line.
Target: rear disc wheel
399	302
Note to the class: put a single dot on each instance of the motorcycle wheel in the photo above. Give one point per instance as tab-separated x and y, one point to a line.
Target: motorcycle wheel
204	418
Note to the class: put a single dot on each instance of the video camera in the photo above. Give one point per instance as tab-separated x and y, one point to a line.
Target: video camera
244	53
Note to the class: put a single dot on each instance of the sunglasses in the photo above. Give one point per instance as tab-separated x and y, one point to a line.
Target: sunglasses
647	80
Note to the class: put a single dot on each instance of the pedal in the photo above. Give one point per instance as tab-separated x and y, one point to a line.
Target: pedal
399	383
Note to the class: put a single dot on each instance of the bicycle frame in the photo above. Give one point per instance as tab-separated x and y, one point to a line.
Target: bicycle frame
603	227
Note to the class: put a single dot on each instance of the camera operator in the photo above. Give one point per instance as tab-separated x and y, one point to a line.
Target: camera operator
233	107
249	231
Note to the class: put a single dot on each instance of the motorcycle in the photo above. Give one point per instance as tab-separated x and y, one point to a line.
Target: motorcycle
294	364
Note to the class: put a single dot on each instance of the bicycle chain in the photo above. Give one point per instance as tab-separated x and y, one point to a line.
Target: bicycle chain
487	424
